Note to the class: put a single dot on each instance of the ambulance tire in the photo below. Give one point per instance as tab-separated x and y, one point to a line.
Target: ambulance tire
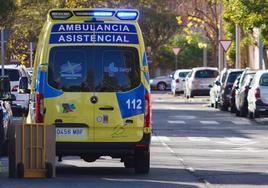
129	163
49	170
142	162
20	170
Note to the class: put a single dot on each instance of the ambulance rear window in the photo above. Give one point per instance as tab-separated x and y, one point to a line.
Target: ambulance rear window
88	68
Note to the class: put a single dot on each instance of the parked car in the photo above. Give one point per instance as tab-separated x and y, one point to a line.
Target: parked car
178	81
6	117
226	87
241	93
258	95
199	80
217	87
232	94
213	92
15	72
161	83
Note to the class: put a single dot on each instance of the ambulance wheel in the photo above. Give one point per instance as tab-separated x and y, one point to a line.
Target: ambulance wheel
49	172
20	170
142	162
129	162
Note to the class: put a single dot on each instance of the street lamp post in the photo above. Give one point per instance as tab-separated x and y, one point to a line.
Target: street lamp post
2	51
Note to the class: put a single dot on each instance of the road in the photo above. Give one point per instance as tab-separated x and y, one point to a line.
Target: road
193	145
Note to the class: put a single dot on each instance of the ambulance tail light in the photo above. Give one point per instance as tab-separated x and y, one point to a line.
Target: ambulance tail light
60	15
127	15
39	108
147	110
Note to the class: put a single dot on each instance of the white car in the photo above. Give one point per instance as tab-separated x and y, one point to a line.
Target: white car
15	72
198	81
258	95
178	80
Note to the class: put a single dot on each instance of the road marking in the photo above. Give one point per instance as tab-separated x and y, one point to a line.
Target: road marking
241	122
183	117
240	149
160	138
238	139
209	122
198	139
159	182
176	122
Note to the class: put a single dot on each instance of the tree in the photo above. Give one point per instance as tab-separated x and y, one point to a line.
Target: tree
7	6
203	17
248	14
158	28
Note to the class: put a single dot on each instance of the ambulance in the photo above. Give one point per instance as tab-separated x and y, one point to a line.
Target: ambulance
91	81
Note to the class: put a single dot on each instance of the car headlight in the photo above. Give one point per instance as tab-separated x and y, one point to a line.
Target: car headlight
151	81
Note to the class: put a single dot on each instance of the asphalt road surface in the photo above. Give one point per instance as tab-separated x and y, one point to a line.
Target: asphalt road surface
193	145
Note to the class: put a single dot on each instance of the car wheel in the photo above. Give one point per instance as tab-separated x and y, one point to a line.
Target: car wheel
224	108
161	86
243	112
233	110
256	114
237	113
129	162
216	104
142	162
191	94
250	115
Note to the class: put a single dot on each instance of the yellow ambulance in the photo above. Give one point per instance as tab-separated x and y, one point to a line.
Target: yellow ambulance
91	80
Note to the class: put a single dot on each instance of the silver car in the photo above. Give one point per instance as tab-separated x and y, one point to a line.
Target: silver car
161	83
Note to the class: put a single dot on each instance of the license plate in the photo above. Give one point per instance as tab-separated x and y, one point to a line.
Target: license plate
71	134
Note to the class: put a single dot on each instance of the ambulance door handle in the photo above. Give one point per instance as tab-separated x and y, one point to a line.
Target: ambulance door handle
128	121
109	108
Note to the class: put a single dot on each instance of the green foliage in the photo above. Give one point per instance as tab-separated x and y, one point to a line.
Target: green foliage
191	55
247	14
6	7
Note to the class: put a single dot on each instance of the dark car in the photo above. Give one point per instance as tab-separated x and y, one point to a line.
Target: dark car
226	87
5	112
242	92
232	94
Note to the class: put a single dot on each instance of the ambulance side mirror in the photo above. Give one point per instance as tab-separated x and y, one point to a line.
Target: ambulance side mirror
5	93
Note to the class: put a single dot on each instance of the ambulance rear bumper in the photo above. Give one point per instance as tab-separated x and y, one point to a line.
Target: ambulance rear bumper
117	149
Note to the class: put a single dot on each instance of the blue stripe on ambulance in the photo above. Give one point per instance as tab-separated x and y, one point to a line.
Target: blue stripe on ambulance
145	63
43	87
88	38
125	100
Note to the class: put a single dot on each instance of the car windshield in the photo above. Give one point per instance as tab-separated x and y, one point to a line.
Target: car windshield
264	80
13	74
87	68
206	74
232	77
183	74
